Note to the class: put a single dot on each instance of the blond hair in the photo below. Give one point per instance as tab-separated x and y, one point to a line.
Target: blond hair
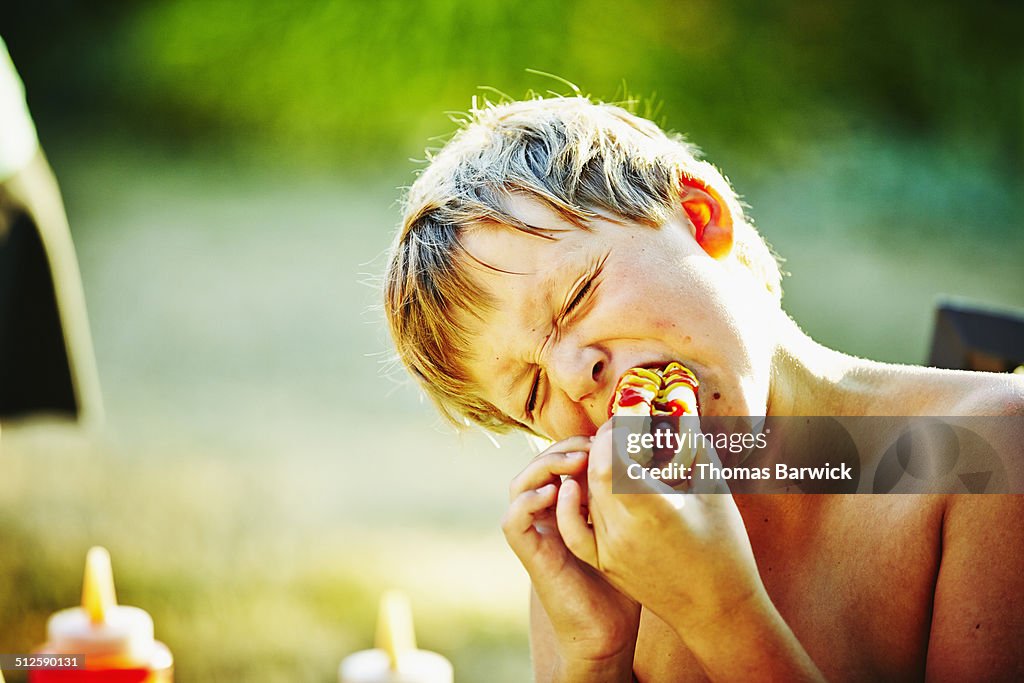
573	155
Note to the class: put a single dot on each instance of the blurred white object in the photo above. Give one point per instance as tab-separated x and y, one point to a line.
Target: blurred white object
395	659
18	141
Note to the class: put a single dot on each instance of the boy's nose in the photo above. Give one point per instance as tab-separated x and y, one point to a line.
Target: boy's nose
579	371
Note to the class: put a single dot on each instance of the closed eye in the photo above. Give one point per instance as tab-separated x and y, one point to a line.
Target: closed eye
588	286
580	296
531	401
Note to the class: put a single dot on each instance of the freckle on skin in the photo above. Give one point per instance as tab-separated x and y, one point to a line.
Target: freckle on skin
716	396
688	339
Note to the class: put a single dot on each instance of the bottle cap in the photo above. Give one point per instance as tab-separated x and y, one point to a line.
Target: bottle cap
101	626
395	658
395	632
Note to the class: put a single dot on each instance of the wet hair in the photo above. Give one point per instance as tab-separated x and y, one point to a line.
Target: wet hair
574	156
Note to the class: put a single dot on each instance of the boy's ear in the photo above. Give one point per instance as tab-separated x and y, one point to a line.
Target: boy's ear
709	214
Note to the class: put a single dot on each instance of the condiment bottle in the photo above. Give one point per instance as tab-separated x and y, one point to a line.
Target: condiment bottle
117	640
395	659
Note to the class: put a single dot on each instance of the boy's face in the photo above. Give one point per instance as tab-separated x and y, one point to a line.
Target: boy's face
573	313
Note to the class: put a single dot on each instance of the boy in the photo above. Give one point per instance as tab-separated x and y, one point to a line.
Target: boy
554	244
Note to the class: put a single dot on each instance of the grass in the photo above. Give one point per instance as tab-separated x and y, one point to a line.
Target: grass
245	573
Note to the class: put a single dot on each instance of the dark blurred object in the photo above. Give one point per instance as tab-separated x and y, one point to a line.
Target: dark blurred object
970	337
34	370
46	357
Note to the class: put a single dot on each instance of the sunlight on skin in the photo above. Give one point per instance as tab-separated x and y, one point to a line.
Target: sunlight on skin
674	499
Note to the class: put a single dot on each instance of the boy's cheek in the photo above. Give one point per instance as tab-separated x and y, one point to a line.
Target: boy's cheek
572	420
665	324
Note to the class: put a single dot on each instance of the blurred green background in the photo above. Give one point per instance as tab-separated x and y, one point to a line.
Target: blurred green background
231	169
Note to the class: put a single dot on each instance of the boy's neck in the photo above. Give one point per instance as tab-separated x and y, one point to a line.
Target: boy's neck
811	379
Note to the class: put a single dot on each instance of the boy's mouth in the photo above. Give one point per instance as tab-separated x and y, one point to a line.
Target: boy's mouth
656	389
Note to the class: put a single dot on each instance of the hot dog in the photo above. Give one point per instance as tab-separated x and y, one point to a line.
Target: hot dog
668	392
671	390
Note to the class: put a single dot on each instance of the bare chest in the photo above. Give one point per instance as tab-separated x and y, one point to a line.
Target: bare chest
853	576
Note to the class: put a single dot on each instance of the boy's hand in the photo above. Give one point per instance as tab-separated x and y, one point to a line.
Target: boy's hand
686	557
594	623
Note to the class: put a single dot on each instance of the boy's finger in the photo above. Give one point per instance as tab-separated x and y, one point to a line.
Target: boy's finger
546	469
584	489
599	466
605	464
572	523
573	443
517	522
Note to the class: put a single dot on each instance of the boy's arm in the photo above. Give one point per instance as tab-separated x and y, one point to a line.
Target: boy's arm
542	640
978	614
544	653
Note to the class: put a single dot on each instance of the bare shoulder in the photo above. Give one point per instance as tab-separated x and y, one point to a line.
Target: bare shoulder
963	393
989	407
997	394
916	390
978	614
998	401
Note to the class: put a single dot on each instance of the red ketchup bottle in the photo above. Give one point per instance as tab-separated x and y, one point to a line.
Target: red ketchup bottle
117	640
